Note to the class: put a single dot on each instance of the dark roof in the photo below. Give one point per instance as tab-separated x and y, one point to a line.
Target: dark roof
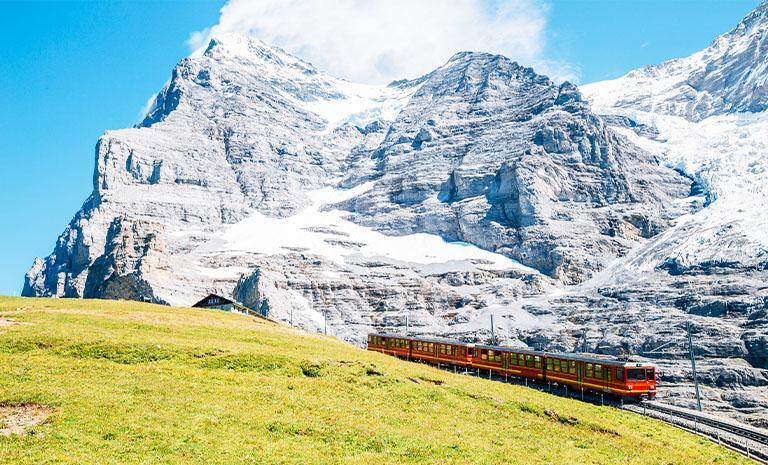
594	358
213	300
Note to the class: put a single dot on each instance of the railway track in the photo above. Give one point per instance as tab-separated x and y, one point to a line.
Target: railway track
738	437
749	441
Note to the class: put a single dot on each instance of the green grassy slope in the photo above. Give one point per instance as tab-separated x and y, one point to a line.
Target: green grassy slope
139	383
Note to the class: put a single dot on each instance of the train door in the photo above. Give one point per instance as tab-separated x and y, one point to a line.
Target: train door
580	374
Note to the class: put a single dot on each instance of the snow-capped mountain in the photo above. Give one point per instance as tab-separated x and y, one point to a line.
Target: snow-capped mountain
729	76
479	189
251	153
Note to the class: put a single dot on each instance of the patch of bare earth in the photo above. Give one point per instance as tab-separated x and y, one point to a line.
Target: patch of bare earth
17	419
7	322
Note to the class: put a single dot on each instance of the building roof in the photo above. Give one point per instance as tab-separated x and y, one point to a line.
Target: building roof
213	300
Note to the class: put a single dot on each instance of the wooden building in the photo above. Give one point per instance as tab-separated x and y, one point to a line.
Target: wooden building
218	302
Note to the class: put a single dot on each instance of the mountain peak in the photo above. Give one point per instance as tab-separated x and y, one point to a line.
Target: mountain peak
232	44
729	76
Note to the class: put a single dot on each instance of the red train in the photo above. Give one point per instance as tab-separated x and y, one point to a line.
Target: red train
628	380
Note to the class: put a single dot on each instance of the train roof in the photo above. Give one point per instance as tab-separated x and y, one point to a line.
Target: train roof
438	340
595	358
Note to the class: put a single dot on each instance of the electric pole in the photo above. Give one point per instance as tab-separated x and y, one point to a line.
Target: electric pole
693	367
493	335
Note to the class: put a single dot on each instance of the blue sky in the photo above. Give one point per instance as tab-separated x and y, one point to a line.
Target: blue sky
70	70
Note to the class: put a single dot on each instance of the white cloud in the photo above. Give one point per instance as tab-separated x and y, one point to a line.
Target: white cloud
376	41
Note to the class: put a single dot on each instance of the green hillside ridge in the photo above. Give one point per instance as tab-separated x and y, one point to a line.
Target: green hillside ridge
140	383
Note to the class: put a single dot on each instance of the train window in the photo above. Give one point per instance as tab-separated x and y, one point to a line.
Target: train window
620	374
497	357
636	374
537	361
483	354
549	365
572	367
470	352
513	359
590	371
529	361
556	364
650	375
608	371
599	371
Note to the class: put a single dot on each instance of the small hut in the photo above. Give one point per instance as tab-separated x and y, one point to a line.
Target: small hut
218	302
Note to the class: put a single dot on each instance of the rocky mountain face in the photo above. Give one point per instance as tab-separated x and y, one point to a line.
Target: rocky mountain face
601	219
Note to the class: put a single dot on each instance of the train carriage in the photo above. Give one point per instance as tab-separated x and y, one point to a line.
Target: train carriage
602	375
579	372
526	364
439	351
